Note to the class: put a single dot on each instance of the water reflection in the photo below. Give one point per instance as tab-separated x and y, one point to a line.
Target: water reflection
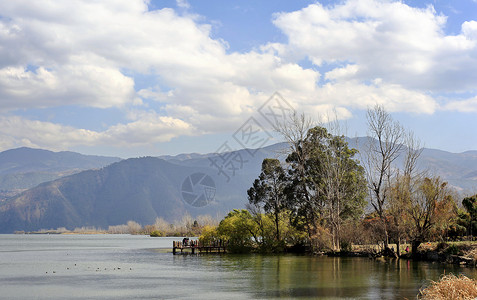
334	277
124	267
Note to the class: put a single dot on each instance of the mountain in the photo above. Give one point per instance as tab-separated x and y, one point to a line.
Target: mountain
139	189
142	189
24	168
459	169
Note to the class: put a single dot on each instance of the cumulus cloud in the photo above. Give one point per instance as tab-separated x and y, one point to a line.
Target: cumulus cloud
146	128
122	39
384	39
91	54
465	106
85	85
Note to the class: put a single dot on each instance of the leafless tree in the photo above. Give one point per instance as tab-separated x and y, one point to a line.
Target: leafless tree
134	227
404	185
385	144
294	130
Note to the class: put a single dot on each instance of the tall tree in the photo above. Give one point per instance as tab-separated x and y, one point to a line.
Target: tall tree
384	146
333	180
403	185
294	131
268	191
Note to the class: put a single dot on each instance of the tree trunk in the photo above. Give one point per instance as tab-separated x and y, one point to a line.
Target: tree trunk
414	245
398	250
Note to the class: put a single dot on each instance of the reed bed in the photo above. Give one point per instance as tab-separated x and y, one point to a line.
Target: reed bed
450	287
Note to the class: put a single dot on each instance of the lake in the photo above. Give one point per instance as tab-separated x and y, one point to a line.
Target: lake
140	267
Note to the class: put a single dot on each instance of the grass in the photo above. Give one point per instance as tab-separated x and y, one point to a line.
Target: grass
450	287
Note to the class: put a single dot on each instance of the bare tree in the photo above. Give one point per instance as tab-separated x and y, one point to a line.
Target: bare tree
134	227
404	185
385	144
294	131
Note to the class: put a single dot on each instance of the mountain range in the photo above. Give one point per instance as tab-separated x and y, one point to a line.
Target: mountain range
24	168
72	190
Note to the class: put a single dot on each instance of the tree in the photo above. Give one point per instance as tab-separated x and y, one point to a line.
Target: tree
470	205
431	206
268	191
340	180
403	185
384	146
327	184
134	227
298	190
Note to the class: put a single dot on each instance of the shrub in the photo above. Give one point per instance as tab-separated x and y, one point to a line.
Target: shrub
209	235
321	240
157	233
450	287
441	246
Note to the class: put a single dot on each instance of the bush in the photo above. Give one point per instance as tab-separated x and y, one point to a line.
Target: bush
346	246
321	240
157	233
209	235
450	287
452	249
236	229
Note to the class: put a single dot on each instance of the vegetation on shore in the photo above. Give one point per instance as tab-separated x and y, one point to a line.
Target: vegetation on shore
187	226
315	200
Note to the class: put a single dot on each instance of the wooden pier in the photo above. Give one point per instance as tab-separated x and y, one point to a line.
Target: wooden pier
195	247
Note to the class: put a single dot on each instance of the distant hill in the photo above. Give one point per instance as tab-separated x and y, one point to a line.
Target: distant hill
138	189
24	168
142	189
459	169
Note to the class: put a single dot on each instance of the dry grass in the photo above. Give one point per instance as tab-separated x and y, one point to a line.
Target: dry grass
450	287
472	254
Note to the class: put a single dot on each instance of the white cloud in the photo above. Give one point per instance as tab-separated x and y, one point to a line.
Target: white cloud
194	70
16	131
91	53
384	39
469	30
465	106
147	128
84	85
183	4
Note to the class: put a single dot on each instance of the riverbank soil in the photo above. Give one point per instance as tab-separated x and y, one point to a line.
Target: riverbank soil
462	253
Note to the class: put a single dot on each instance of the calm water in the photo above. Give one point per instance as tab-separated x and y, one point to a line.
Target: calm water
138	267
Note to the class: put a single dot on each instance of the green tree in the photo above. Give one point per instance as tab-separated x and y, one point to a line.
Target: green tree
267	191
470	205
239	230
328	186
209	235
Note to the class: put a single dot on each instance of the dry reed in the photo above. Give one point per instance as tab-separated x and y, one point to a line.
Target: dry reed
450	287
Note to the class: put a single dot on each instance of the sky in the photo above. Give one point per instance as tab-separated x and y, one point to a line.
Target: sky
134	78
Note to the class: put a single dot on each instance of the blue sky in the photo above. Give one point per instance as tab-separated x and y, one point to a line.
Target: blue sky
132	78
